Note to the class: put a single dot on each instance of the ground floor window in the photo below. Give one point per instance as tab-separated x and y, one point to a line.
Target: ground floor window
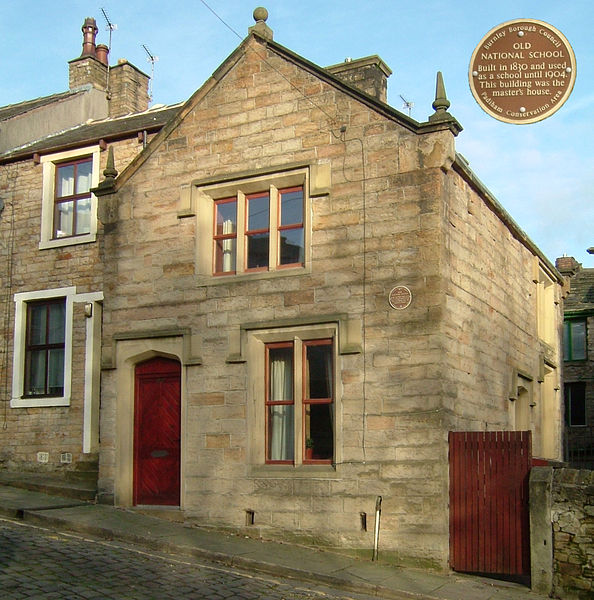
44	348
299	377
293	396
575	404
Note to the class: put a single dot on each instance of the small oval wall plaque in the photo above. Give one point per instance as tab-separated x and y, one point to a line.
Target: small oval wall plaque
400	297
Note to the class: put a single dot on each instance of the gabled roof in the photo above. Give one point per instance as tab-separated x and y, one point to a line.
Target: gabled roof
105	129
581	294
15	110
320	72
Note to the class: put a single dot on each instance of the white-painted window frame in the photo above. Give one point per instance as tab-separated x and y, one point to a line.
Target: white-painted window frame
18	399
48	164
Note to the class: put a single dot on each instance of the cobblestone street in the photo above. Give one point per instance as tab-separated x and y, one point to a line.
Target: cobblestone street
40	564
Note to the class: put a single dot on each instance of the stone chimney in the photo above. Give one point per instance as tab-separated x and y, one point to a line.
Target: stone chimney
128	89
568	266
369	74
90	68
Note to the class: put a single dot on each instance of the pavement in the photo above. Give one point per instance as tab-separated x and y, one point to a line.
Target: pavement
280	560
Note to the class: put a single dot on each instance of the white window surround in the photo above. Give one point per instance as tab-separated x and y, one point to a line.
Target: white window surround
203	197
20	331
48	164
256	359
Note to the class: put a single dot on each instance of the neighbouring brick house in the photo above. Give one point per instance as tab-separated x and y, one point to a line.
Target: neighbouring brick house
52	154
578	356
301	291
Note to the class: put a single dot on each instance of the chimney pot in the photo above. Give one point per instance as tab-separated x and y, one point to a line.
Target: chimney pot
89	30
102	54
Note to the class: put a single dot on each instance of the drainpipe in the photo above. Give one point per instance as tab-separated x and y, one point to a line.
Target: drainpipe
378	514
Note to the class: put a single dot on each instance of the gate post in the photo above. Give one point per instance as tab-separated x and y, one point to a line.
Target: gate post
541	530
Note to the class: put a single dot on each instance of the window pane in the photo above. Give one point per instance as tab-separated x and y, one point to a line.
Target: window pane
35	384
64	219
281	440
37	325
56	371
65	181
578	340
226	218
83	215
258	213
83	177
280	374
319	371
291	246
57	323
257	250
225	255
291	207
319	430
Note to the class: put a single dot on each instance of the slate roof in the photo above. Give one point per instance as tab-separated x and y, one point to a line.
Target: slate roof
14	110
108	129
581	294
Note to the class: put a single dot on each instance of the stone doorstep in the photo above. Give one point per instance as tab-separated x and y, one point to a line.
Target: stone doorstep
51	485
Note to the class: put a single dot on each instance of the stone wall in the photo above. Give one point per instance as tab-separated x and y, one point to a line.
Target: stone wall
573	533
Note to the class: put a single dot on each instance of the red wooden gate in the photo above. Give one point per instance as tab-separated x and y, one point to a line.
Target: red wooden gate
157	432
489	518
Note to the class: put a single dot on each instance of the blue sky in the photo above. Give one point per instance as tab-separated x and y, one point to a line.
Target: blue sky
541	173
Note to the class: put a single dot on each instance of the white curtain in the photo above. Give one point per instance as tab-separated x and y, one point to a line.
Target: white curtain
228	247
281	429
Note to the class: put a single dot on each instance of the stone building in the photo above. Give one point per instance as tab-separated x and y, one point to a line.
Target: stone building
578	356
300	291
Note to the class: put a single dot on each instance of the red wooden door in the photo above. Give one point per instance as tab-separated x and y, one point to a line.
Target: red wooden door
489	517
157	410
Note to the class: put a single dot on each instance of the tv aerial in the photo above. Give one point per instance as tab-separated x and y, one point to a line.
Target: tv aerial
407	105
152	59
111	27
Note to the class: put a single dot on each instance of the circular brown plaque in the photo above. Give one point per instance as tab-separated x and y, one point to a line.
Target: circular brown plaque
522	71
400	297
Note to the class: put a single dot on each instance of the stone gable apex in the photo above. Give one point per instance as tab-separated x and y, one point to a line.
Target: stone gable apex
256	41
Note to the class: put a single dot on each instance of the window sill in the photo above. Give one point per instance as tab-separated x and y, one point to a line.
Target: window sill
67	241
308	471
204	280
39	402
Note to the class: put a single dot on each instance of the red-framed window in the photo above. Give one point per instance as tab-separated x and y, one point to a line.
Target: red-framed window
291	244
44	348
299	377
72	198
225	236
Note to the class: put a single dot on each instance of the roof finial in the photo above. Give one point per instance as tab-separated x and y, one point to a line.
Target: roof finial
110	173
441	105
260	16
441	102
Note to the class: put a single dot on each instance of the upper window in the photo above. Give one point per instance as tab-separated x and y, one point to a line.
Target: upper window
69	209
574	340
42	348
575	404
72	215
272	233
253	226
